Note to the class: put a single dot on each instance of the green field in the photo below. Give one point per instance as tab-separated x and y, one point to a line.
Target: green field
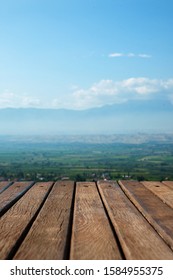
83	161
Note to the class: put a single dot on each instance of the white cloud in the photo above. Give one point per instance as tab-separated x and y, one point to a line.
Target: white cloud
110	92
98	94
116	54
12	100
142	55
29	101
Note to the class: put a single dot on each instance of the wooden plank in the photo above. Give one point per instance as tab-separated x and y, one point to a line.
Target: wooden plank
4	185
49	236
137	237
14	223
161	190
92	236
156	212
168	183
12	194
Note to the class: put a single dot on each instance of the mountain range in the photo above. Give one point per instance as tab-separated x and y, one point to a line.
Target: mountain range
132	116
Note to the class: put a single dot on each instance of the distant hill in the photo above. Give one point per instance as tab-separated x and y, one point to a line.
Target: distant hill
118	118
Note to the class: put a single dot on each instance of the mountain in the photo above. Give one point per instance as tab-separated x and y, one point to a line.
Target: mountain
127	117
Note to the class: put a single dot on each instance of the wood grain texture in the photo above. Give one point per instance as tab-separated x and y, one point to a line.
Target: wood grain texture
92	236
162	191
52	221
12	194
137	237
4	185
168	183
158	214
48	236
14	222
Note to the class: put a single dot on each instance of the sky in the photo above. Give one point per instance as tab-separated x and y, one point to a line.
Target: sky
80	54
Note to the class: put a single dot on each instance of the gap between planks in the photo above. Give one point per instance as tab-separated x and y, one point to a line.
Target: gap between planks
160	190
137	237
14	223
4	185
157	213
12	194
49	235
92	235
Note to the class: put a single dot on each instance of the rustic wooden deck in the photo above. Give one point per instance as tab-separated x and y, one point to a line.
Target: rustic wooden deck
86	220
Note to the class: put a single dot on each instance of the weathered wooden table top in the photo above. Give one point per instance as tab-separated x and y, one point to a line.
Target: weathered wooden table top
86	220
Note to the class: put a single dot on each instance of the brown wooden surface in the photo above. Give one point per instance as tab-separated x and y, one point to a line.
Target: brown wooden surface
156	212
92	236
86	220
48	236
4	185
137	237
12	194
14	222
162	191
168	183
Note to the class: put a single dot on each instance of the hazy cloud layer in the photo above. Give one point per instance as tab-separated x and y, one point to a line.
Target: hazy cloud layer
110	92
13	100
99	94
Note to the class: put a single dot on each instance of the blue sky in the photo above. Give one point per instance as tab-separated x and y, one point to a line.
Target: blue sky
85	53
